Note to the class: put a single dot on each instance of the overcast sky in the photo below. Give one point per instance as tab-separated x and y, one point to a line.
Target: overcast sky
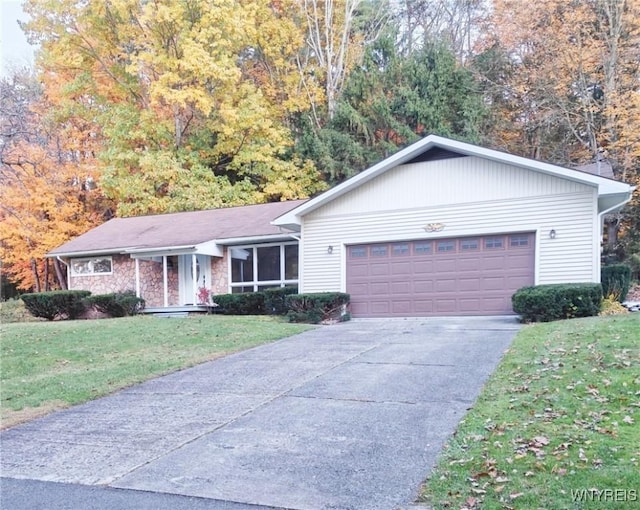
14	49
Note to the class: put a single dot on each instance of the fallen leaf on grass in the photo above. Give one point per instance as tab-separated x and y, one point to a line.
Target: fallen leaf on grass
540	441
592	390
628	419
471	502
515	495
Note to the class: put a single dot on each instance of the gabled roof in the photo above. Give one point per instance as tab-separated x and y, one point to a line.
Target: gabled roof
601	168
184	230
614	191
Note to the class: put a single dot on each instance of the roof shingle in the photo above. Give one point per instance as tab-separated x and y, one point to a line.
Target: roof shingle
179	229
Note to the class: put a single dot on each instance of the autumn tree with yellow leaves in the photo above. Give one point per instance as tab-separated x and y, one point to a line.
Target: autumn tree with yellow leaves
189	96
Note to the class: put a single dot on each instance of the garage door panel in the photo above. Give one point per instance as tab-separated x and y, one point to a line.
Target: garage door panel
401	307
401	287
445	265
379	288
359	308
378	269
494	305
518	261
359	289
380	307
469	305
401	268
492	262
422	267
445	306
464	276
359	270
469	284
467	264
422	287
423	306
495	283
448	285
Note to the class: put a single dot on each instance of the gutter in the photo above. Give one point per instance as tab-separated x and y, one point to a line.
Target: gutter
617	206
229	241
76	254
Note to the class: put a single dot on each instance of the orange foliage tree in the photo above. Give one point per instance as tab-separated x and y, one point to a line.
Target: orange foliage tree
48	191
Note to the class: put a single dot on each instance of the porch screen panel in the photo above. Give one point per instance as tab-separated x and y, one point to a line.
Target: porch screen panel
242	265
261	267
269	263
291	262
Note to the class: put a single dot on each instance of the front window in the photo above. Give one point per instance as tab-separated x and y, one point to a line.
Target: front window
260	267
91	266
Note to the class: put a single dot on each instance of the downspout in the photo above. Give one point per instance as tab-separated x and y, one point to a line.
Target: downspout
601	223
68	271
617	206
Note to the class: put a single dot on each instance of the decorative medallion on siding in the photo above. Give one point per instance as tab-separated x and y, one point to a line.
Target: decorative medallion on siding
434	227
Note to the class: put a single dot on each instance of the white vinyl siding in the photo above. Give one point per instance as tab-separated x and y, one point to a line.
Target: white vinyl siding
448	181
396	208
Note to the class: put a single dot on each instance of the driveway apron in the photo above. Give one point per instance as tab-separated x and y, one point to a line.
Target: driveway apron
345	416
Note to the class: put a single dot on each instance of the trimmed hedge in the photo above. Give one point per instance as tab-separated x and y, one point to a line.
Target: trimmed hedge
117	304
545	303
616	280
315	308
249	303
275	300
61	304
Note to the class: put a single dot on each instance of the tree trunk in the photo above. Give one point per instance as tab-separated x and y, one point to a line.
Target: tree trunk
60	274
36	276
47	286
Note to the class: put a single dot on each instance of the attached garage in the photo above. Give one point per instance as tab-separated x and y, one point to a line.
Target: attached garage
447	276
448	228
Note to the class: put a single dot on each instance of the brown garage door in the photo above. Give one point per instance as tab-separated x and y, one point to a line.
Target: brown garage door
456	276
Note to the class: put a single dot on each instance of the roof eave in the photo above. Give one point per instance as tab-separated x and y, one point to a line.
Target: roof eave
613	202
86	253
265	238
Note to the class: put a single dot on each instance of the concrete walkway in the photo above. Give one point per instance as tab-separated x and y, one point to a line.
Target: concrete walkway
350	416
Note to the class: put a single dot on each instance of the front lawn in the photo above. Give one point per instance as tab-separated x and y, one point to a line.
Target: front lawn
556	427
51	365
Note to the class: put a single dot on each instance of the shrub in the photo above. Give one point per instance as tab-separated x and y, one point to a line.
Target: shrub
611	306
275	300
315	308
62	304
544	303
616	280
117	304
249	303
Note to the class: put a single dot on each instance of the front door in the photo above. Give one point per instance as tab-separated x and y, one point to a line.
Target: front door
188	286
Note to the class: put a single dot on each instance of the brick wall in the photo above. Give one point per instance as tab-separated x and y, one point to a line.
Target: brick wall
123	278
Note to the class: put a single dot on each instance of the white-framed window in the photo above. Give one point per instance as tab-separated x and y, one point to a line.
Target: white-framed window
91	266
263	266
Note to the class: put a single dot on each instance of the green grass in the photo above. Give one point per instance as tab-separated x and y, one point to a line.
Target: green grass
51	365
13	310
560	415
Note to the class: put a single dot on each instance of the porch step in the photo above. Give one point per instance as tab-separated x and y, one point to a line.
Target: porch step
171	315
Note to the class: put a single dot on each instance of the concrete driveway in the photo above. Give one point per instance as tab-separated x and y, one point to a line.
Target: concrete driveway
350	416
